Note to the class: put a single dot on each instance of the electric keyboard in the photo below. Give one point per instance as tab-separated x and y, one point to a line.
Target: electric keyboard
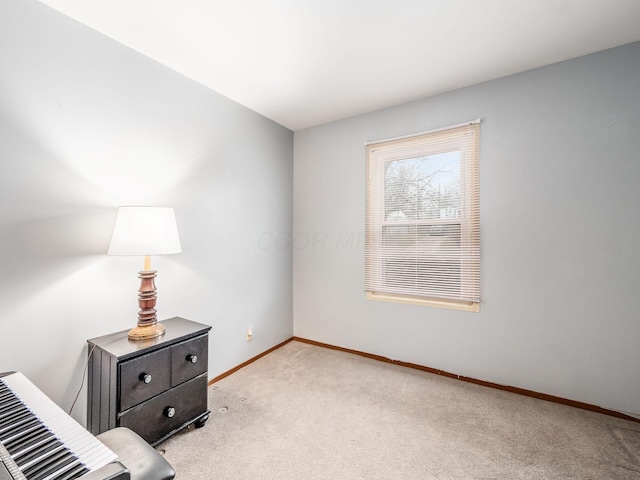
39	441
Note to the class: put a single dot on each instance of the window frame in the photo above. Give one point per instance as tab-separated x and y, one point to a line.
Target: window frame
379	154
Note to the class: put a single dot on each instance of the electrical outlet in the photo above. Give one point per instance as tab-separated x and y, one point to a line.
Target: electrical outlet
249	334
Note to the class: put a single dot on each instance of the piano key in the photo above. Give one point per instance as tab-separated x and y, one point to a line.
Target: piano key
48	466
78	440
20	430
4	390
36	450
56	466
66	469
7	403
38	453
8	406
28	441
29	430
76	471
41	456
5	393
33	449
9	432
12	416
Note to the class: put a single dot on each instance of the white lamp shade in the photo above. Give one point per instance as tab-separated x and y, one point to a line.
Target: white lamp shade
145	231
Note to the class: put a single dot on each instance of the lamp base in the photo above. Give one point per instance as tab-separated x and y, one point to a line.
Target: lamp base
146	332
148	326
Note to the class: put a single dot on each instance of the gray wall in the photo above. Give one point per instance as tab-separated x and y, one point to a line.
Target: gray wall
87	125
560	230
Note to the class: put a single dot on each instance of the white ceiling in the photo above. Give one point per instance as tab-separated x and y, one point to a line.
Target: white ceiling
304	63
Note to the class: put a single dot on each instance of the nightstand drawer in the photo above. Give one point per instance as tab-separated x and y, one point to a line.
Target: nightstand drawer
169	411
189	359
143	377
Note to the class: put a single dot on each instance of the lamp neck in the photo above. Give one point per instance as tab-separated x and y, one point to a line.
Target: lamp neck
147	262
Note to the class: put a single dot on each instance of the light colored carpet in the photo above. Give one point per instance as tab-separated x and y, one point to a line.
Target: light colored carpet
305	412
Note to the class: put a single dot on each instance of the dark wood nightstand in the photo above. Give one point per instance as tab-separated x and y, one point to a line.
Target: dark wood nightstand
154	387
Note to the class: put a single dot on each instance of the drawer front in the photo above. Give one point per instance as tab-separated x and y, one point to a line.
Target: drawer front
143	377
151	420
189	359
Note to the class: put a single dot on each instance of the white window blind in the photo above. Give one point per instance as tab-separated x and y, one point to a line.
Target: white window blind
423	216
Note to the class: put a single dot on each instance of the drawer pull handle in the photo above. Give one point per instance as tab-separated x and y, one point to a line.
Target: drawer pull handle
145	377
169	412
192	358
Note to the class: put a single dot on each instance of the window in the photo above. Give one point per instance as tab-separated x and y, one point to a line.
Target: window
423	219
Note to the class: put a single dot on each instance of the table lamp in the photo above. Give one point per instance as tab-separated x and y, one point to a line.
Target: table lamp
145	231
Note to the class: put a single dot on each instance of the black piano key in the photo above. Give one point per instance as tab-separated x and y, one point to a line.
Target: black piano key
11	411
76	471
6	391
8	399
38	453
43	461
13	416
7	396
8	403
62	471
8	431
28	441
35	451
49	465
55	465
20	430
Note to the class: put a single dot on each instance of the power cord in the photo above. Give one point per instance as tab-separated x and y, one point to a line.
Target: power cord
84	374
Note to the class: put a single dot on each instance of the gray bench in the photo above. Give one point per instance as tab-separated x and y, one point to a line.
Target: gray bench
137	456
